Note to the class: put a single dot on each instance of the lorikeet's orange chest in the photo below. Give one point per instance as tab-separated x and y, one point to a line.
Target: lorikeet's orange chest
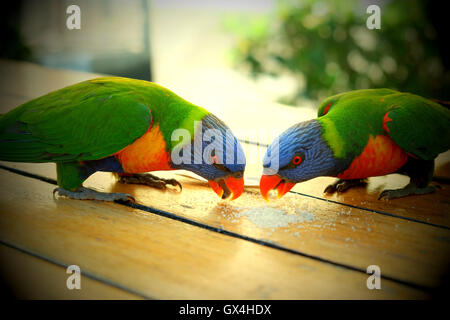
147	153
381	156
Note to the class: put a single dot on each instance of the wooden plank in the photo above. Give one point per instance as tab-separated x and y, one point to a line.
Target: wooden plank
163	258
430	209
29	277
345	235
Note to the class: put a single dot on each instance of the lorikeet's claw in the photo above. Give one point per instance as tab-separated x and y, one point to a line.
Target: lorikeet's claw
343	185
83	193
149	180
410	189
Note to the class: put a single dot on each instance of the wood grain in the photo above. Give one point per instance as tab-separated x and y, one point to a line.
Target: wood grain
345	235
164	258
29	277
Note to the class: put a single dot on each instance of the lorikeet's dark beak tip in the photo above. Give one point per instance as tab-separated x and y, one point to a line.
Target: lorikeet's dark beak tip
274	182
228	187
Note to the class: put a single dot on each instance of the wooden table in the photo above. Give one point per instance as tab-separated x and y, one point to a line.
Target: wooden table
191	245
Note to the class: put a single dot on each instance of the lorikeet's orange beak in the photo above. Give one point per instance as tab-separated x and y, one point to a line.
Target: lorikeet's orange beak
224	187
273	182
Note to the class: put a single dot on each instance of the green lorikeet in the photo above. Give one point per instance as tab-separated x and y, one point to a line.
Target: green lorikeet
361	134
124	126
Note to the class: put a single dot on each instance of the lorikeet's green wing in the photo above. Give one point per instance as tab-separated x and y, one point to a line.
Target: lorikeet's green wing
419	126
90	120
356	96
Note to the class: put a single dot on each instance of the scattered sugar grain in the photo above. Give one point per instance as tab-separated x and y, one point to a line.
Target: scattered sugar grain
305	216
268	217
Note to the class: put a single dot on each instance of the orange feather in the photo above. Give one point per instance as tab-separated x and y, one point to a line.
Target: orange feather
381	156
147	153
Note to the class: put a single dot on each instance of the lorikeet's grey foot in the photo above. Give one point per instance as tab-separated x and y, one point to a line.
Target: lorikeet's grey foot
410	189
83	193
149	180
342	185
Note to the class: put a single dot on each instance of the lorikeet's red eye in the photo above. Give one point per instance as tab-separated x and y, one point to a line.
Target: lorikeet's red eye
296	160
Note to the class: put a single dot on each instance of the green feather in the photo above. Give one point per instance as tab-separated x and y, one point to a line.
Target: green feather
419	126
92	120
85	121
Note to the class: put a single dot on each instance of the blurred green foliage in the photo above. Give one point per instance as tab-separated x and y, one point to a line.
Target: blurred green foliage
327	48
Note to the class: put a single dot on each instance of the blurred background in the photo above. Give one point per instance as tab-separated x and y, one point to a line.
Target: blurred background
289	52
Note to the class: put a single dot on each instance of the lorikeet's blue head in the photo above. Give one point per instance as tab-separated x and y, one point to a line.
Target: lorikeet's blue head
297	155
216	155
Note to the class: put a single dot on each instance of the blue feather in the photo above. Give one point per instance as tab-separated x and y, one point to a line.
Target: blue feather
227	150
303	138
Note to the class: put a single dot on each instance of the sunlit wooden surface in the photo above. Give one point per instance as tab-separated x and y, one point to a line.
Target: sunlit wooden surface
192	245
31	277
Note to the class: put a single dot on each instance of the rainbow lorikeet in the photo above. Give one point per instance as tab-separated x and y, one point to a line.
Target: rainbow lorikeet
361	134
124	126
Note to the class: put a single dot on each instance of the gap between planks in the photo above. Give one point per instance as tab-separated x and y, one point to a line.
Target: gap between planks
209	228
394	250
150	270
53	181
48	278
